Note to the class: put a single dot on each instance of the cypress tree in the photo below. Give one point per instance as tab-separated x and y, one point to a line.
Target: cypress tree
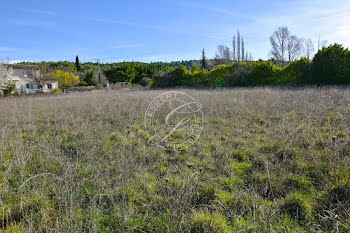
77	63
204	63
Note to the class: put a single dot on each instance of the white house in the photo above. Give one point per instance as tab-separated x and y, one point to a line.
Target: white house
26	85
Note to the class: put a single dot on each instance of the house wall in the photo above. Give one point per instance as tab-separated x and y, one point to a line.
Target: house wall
21	80
54	85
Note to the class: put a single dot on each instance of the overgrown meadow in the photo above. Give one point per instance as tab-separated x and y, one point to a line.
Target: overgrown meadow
268	160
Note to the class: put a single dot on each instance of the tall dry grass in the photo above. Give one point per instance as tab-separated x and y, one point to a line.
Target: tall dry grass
268	160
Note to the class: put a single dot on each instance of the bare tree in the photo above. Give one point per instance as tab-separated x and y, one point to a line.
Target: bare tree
5	76
40	74
321	44
246	56
308	47
234	48
223	53
238	46
279	42
294	48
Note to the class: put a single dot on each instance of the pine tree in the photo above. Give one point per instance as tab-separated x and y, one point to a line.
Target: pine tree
77	64
204	63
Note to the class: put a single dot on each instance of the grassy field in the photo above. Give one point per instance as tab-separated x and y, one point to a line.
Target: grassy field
268	160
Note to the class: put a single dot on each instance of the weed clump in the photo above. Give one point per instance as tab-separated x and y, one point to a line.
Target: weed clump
205	222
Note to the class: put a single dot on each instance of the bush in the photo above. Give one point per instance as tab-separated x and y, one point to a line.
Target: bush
331	66
196	77
66	79
236	74
264	73
165	78
146	82
83	83
9	90
57	90
296	72
89	78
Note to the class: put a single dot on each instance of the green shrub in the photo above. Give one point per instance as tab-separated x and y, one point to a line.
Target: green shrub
89	78
235	74
9	90
264	73
331	66
197	77
146	82
57	90
166	78
83	83
296	72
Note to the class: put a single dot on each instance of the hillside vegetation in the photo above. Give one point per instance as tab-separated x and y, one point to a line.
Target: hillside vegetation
268	160
330	66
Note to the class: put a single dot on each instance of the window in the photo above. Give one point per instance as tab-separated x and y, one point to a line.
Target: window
49	86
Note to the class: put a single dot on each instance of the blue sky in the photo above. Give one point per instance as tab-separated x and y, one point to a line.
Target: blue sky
159	30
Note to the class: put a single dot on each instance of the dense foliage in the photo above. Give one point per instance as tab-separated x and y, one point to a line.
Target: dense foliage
330	65
66	79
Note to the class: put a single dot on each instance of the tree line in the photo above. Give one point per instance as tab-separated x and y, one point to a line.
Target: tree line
292	63
224	55
330	66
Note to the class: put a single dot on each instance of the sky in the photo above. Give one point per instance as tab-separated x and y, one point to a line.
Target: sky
159	30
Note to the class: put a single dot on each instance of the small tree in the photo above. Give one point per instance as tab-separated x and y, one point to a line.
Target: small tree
204	63
5	77
279	42
40	74
66	79
89	77
223	54
294	47
234	48
77	64
308	47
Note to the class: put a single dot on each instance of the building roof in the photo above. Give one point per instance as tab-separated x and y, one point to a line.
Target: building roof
20	80
23	67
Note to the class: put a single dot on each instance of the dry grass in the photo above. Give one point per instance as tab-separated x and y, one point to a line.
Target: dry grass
269	160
